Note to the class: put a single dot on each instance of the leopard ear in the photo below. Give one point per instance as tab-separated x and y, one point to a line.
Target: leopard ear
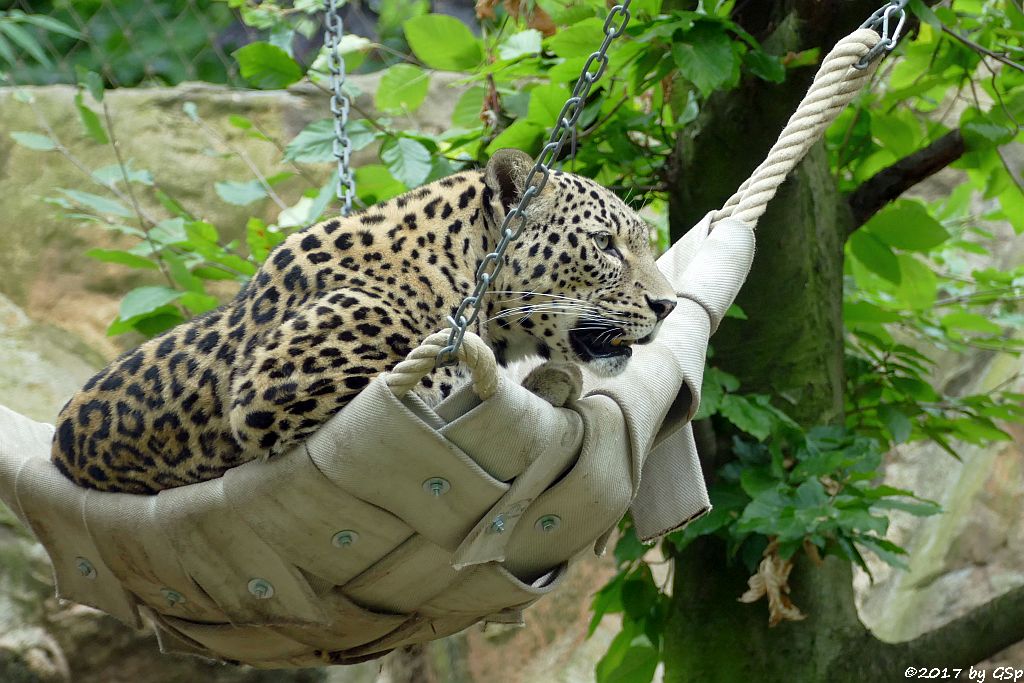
506	176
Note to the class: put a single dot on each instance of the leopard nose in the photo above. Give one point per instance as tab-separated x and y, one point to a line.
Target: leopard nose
661	307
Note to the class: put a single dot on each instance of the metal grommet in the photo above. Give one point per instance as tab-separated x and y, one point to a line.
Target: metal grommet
548	523
261	589
345	538
172	596
497	526
436	486
85	568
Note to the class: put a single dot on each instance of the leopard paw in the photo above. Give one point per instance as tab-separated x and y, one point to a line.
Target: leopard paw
557	382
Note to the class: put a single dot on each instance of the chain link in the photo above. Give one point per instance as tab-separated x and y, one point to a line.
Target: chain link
335	29
880	21
516	219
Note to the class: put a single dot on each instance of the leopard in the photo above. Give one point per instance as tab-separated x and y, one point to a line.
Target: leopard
336	304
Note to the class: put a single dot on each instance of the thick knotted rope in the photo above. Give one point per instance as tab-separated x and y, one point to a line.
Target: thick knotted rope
477	356
834	87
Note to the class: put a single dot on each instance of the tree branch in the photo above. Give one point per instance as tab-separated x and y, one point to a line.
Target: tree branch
981	633
892	181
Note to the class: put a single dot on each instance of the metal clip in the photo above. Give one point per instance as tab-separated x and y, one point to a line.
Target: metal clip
880	21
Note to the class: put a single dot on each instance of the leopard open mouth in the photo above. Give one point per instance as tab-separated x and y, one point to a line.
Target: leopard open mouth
600	342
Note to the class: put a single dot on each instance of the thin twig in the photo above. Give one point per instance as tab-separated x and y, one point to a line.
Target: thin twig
60	148
981	49
143	225
240	152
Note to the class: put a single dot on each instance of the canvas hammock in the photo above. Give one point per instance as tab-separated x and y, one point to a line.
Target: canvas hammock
397	523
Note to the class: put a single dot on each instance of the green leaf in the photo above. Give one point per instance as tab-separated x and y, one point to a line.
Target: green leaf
113	174
638	665
443	42
469	109
34	141
705	57
142	300
886	551
407	160
260	239
875	255
918	283
522	134
316	141
240	193
973	322
864	312
122	257
577	40
546	102
91	81
150	324
925	14
980	132
403	87
567	12
765	66
897	422
374	183
49	24
639	596
746	415
26	41
91	121
907	225
198	302
918	508
518	44
916	389
98	203
754	480
267	66
169	231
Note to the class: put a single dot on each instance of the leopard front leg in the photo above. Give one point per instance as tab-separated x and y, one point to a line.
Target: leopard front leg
307	369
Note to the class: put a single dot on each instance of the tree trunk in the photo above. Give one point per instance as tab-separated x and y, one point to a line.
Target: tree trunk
791	348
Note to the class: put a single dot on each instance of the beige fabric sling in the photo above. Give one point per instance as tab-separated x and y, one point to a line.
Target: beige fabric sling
397	523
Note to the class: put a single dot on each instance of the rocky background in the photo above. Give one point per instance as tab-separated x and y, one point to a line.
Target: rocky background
55	304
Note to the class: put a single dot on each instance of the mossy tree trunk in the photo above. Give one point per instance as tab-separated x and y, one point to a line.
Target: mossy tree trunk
791	347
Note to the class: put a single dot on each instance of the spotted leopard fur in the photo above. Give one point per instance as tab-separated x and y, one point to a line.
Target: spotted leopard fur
338	303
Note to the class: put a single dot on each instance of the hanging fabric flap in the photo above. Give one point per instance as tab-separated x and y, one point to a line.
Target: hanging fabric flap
378	450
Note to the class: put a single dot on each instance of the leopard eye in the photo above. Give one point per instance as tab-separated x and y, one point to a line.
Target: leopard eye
603	241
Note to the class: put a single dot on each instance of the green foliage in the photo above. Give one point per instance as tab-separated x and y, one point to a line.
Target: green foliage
128	42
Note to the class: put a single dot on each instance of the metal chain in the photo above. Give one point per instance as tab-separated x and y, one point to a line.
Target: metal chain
565	127
880	21
334	29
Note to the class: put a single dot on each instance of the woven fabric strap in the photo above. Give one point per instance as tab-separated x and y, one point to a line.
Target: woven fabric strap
834	87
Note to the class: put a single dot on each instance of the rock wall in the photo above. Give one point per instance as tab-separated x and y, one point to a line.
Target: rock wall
974	551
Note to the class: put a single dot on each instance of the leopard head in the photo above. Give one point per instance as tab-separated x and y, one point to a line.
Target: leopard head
580	284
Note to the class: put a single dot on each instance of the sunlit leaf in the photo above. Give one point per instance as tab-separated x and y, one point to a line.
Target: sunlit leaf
267	66
443	42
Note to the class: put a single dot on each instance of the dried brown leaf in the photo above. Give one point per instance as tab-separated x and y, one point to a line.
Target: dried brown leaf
772	581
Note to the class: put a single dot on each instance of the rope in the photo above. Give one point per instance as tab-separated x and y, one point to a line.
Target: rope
477	356
836	84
